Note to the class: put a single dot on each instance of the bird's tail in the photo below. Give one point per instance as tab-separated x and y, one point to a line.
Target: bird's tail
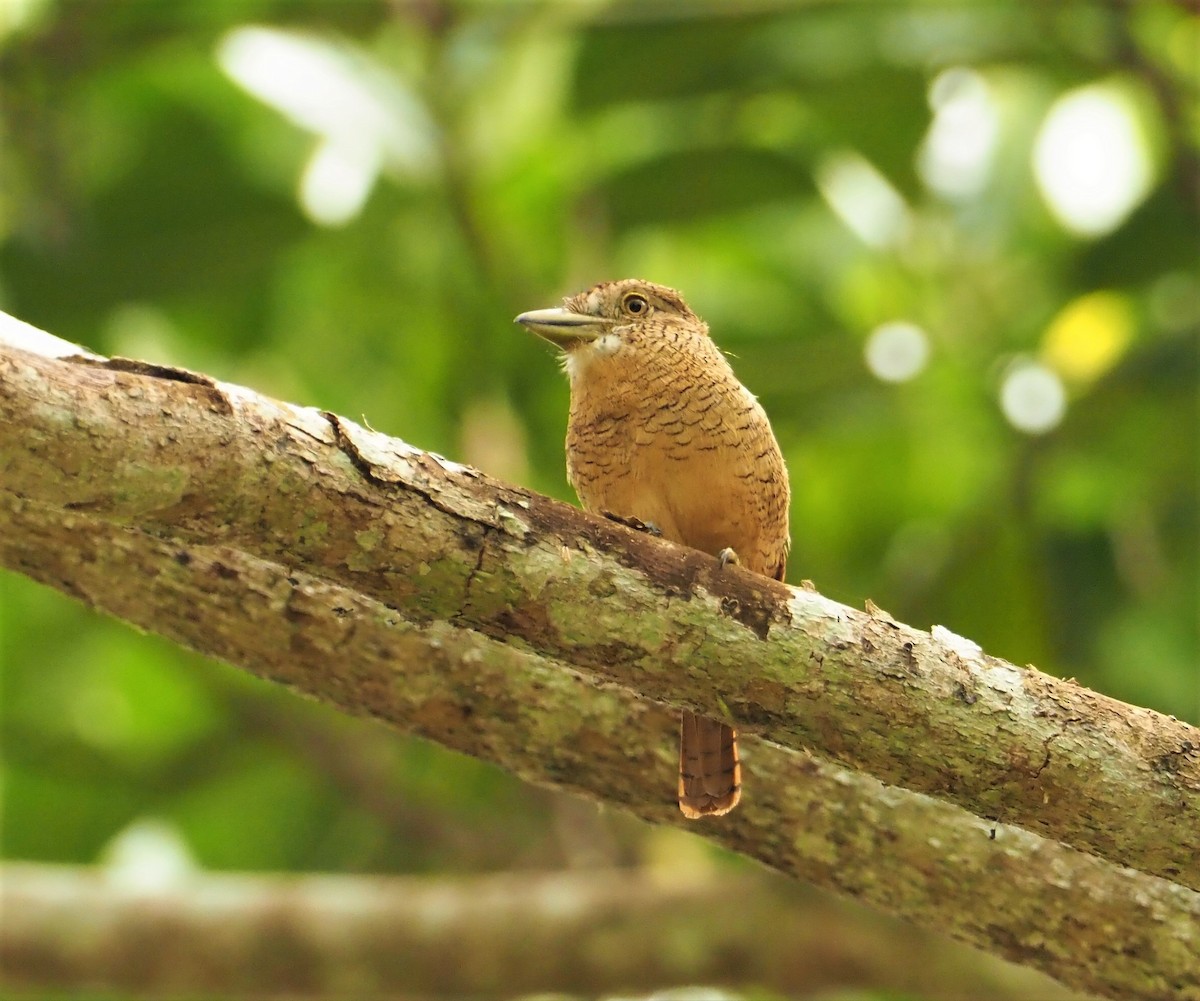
710	775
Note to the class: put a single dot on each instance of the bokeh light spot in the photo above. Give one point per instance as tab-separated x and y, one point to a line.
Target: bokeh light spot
148	856
1088	336
1032	397
337	180
897	351
863	199
1091	159
956	157
365	119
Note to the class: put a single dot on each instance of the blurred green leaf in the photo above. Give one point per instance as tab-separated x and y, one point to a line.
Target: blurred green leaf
683	186
648	56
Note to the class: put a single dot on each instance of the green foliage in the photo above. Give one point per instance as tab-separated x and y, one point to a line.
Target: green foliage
149	207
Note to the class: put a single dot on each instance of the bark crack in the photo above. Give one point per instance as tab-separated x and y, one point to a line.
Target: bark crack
1050	740
168	372
474	572
348	447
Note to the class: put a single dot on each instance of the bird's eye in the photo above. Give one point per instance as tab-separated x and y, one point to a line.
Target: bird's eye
635	304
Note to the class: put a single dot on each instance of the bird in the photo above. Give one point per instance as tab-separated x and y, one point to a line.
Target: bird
661	434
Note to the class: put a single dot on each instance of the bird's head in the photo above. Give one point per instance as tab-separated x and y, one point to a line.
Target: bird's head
614	319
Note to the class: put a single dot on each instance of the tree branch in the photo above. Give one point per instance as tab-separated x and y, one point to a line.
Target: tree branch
587	934
391	582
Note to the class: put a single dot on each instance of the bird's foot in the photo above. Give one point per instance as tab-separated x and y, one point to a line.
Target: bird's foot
728	556
636	524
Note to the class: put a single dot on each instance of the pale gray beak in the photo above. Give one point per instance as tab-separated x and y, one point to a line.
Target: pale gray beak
563	327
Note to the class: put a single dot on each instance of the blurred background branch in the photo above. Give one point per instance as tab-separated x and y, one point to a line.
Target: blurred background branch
586	934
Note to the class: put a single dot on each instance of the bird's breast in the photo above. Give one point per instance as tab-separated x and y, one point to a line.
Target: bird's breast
698	460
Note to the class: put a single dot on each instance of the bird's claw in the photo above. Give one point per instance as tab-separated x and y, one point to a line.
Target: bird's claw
636	524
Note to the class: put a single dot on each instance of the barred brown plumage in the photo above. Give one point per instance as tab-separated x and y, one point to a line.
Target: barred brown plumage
661	431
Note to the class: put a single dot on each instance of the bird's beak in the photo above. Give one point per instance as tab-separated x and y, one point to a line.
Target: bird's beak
563	327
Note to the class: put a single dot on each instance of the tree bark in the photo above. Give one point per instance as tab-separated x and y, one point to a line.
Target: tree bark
903	767
587	934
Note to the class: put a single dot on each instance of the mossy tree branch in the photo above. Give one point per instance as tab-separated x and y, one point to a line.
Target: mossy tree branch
388	581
